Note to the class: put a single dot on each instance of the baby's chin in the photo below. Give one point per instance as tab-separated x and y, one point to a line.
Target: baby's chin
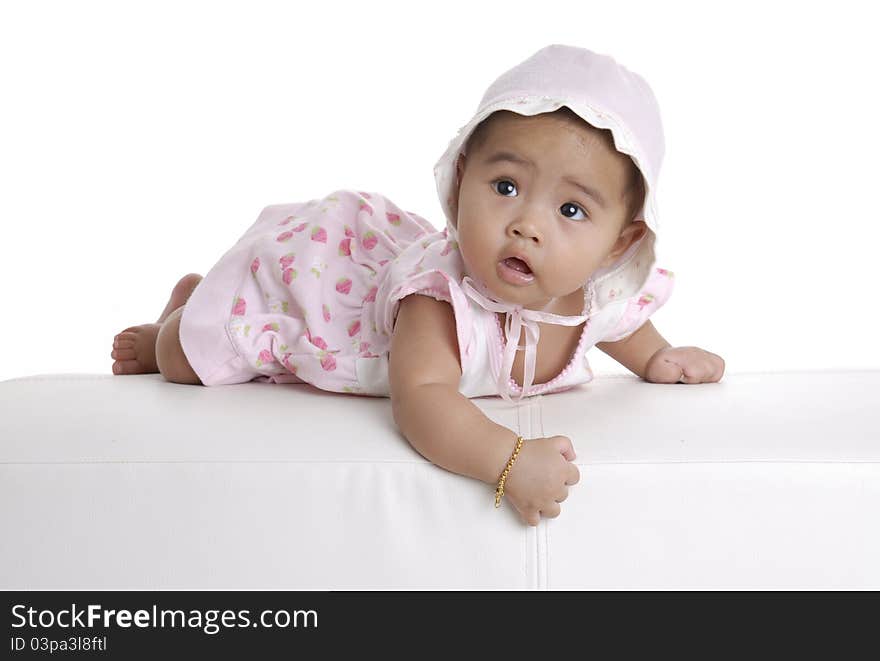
535	297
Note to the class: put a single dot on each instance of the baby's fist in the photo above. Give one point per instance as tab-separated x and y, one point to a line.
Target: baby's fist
685	365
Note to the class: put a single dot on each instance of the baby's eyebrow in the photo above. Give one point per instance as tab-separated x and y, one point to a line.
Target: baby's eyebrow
501	156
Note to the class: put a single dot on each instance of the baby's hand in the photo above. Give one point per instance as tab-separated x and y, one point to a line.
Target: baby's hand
539	478
685	364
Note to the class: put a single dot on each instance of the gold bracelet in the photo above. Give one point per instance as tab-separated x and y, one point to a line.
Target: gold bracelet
499	490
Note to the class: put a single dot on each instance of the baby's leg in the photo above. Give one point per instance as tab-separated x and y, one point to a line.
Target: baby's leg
134	349
170	359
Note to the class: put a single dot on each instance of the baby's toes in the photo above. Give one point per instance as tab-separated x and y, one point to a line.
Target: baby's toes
126	337
127	367
123	346
127	353
134	350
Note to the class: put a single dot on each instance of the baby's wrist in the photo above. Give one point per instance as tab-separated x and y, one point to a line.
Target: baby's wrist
502	481
503	442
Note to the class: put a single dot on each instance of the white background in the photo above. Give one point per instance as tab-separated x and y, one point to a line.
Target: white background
139	140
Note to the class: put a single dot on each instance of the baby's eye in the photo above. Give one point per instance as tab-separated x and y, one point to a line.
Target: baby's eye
570	205
505	181
567	206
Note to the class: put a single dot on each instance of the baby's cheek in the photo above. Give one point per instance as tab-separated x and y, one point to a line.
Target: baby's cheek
472	264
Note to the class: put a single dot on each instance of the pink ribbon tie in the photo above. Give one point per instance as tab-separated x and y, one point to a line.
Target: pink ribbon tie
517	317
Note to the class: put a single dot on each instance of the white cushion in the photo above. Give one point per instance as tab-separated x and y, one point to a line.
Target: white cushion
130	482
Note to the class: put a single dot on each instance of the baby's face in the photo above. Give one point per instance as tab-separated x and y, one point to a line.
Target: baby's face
564	233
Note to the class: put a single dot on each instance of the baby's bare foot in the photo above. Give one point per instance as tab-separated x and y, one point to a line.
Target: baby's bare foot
134	349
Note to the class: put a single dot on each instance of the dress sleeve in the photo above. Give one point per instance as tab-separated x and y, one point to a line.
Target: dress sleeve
432	268
655	292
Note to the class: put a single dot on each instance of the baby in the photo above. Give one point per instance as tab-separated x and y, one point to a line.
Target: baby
549	249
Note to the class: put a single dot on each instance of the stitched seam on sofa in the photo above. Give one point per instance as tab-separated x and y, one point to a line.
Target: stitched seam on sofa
542	558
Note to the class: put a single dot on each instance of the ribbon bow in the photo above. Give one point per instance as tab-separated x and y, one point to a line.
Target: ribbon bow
515	318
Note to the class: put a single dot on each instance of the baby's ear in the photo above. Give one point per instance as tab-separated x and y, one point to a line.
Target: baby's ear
638	228
628	236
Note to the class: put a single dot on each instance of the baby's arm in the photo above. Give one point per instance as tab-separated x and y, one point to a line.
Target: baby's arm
634	351
648	355
443	425
446	428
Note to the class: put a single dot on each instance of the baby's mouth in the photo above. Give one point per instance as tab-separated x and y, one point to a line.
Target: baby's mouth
517	264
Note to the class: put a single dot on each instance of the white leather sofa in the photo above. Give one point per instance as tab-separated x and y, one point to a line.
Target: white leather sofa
761	481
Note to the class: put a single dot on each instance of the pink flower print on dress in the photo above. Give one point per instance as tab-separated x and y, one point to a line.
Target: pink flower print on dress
369	240
317	341
383	262
348	231
345	247
450	246
668	274
284	236
300	227
343	285
319	234
366	195
239	306
354	328
272	327
287	220
288	275
365	352
328	362
265	357
363	206
255	265
393	218
286	362
371	295
325	311
645	300
286	260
